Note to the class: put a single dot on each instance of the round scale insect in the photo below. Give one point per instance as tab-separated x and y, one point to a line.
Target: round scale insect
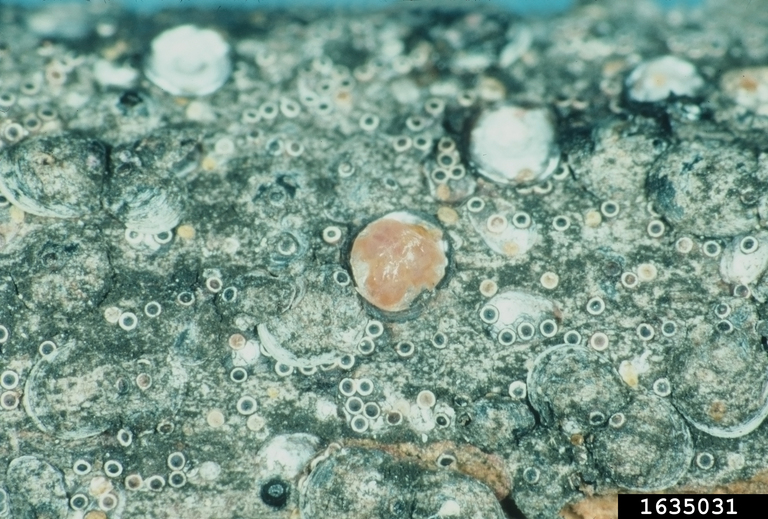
55	176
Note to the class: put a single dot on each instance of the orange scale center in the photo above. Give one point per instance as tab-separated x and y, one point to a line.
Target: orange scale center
401	260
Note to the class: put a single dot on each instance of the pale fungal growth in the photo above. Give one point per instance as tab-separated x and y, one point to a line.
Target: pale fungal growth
133	482
629	280
656	79
255	423
108	501
488	288
593	218
747	87
647	272
215	418
224	146
396	258
598	341
617	420
496	223
143	381
112	314
188	61
426	399
236	341
9	400
514	145
549	280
